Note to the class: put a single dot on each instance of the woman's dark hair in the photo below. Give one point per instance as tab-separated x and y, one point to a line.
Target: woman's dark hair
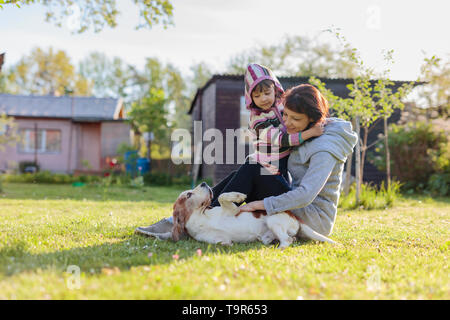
307	99
267	83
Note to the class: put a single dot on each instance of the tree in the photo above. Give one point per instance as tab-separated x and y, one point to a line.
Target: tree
388	102
201	73
46	72
179	98
298	56
8	134
435	94
150	115
369	101
168	86
86	14
110	77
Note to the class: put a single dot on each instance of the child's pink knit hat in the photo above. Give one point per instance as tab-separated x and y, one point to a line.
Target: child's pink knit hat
254	74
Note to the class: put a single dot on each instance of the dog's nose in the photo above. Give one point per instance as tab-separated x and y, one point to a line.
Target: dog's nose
204	184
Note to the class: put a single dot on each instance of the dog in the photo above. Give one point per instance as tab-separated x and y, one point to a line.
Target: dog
192	215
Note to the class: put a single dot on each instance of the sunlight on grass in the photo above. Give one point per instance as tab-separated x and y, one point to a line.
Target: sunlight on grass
398	253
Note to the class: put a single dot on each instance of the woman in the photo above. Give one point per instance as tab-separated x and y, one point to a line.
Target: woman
316	167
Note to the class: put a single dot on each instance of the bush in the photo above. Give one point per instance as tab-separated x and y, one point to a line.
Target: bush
137	182
371	197
419	157
439	182
164	179
49	177
24	164
184	180
58	178
157	178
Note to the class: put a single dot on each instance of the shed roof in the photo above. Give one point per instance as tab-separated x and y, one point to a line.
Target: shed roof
76	108
337	85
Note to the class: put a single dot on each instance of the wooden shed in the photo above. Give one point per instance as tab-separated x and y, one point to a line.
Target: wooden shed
220	104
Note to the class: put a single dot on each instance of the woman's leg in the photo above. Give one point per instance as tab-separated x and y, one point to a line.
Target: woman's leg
218	188
256	182
265	185
165	224
242	181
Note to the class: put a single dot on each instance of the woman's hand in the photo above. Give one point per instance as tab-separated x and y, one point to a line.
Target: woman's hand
252	206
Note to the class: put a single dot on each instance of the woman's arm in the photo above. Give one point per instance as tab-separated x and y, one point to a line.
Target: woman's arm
320	167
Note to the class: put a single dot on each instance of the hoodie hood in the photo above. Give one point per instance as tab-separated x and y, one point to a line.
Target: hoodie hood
338	138
254	74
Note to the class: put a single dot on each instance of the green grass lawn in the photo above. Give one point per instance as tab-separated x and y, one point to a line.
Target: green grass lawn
399	253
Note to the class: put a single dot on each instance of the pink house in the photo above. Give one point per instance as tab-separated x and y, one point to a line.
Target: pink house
64	134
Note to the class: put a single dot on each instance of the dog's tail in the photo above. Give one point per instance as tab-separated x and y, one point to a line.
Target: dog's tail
313	235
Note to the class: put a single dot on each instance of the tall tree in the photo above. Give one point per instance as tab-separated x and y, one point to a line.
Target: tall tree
46	72
149	114
88	14
110	77
201	73
8	131
298	56
435	94
177	91
369	100
158	89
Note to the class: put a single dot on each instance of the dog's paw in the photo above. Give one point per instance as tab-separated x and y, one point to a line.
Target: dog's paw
267	238
233	197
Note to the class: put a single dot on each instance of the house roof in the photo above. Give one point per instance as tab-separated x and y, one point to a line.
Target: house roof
84	108
337	85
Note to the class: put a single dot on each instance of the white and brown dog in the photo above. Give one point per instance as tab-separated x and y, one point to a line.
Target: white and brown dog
225	225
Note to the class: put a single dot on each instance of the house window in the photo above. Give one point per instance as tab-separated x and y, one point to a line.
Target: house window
48	141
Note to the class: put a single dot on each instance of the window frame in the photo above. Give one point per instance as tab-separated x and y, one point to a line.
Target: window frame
23	147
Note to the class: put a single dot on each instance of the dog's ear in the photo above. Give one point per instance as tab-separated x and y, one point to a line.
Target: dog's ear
179	220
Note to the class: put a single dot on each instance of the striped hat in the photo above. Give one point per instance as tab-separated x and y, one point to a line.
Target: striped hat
254	74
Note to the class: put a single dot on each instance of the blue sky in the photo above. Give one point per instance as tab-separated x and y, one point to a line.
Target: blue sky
212	31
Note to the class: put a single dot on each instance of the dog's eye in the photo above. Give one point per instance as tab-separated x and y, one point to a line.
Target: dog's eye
189	195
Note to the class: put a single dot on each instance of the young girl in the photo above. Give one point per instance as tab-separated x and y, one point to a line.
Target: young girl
271	142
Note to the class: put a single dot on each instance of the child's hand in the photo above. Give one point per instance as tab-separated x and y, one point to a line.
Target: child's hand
315	131
271	168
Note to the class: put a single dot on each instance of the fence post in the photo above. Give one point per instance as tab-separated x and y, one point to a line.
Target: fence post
388	153
357	162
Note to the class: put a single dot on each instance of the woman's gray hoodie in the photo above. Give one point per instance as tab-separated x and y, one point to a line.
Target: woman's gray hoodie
316	168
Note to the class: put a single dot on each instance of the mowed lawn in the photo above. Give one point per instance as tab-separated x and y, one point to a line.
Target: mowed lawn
45	230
